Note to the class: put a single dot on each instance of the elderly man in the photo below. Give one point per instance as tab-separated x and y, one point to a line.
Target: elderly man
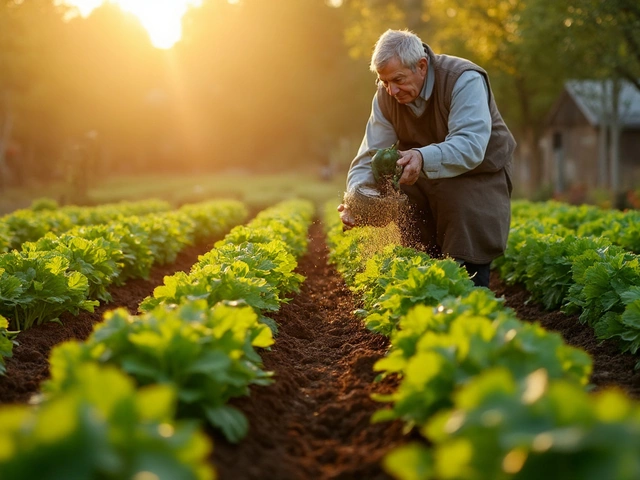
455	149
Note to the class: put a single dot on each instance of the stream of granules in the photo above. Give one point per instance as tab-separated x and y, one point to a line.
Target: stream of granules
390	214
371	208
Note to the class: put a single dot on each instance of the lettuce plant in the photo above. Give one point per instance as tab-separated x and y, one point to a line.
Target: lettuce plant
36	287
459	345
102	427
207	354
423	285
503	428
269	260
97	259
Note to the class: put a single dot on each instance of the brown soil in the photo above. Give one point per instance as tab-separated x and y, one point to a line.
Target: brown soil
314	421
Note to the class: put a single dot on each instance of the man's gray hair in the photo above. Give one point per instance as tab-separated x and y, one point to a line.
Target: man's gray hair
402	44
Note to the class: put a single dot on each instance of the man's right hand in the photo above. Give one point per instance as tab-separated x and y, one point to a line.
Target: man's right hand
348	222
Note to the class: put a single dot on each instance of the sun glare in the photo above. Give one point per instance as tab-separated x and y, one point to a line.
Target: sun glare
161	18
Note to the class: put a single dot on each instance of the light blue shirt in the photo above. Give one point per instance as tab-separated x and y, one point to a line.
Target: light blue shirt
462	150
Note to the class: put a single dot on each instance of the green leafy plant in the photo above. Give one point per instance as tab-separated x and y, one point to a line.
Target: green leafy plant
424	285
7	343
625	327
37	287
590	273
269	260
168	234
213	284
389	266
5	237
457	346
102	427
44	203
505	428
600	277
212	219
27	225
258	273
96	259
207	354
263	229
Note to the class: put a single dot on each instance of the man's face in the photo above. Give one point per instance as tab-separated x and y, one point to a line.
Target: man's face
400	82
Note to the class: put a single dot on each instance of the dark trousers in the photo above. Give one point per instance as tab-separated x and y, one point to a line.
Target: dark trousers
418	225
419	231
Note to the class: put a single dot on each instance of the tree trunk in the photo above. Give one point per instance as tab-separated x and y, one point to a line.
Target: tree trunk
615	137
536	157
603	144
558	159
531	154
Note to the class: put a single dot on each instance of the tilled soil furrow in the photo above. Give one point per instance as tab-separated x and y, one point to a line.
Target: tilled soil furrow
316	416
611	368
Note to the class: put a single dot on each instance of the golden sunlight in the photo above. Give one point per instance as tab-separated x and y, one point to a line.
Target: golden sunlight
161	18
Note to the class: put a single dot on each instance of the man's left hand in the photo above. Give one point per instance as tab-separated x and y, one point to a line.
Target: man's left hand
411	160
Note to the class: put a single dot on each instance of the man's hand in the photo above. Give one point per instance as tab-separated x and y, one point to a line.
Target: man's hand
412	161
348	222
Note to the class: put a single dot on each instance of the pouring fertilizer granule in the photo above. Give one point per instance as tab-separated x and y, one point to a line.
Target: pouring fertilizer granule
380	204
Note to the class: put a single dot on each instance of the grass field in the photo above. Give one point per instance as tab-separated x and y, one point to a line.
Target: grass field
254	190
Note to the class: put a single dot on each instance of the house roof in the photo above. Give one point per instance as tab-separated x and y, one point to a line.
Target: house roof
594	99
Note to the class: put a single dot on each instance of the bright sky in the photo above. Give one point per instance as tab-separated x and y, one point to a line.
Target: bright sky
161	18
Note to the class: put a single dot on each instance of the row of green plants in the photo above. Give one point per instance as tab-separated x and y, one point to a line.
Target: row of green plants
130	400
44	216
493	397
577	270
103	427
73	271
622	228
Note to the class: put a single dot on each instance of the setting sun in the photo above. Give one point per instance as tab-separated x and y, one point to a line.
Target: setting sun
161	18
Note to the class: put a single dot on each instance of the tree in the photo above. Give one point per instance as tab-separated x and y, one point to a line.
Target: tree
16	63
266	82
598	41
106	70
605	37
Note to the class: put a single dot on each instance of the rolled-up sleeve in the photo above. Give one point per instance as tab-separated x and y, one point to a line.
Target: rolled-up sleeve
469	130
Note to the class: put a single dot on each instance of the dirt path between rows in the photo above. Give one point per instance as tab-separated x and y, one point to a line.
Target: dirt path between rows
313	423
611	368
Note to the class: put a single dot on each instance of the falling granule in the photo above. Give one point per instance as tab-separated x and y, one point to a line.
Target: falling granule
379	238
389	213
370	207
